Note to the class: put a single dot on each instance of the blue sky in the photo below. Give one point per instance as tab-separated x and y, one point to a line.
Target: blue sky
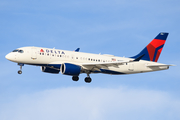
118	27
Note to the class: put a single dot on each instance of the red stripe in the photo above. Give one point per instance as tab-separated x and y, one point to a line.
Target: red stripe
158	54
156	42
151	50
151	47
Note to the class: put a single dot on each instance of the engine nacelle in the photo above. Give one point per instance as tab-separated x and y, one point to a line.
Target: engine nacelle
49	70
70	69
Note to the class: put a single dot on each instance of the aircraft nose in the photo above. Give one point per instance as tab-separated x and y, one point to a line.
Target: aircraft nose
8	56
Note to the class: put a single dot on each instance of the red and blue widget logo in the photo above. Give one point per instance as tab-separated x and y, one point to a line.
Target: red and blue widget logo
153	50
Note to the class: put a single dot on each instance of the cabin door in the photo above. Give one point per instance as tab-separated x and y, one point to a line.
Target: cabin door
33	53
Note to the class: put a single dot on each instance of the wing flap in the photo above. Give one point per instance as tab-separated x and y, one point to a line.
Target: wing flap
106	63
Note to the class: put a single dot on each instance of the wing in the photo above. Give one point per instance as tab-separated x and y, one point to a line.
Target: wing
98	66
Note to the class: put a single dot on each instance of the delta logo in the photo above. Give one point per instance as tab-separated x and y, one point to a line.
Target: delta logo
52	51
41	50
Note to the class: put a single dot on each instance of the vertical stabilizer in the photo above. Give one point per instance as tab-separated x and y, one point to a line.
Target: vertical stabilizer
153	50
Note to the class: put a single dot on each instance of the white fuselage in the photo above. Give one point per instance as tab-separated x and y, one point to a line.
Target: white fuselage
45	56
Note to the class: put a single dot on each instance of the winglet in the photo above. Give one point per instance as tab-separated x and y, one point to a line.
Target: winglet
77	50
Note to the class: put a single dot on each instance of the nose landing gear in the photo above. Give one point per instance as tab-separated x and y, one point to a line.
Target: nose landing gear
20	71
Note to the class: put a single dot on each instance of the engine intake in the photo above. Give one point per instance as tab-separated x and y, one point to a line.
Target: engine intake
49	70
70	69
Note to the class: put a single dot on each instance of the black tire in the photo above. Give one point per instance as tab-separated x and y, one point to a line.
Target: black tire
19	72
75	78
87	79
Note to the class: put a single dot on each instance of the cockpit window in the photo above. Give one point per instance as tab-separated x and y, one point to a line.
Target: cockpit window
20	51
15	51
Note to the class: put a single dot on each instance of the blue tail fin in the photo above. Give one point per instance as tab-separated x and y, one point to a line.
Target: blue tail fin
153	50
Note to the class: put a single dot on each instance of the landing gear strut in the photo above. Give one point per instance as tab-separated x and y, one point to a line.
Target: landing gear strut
20	71
75	78
88	79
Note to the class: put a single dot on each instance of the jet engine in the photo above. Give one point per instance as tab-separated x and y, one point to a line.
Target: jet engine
70	69
49	70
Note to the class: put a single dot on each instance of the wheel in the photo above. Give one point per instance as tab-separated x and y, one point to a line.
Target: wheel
19	72
75	78
87	79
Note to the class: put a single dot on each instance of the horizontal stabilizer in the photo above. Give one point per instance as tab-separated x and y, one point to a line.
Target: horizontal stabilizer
159	65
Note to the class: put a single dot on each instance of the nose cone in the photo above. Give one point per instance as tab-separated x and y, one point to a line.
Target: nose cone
9	57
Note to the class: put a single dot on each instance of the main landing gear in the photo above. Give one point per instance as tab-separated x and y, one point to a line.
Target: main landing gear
75	78
87	79
20	71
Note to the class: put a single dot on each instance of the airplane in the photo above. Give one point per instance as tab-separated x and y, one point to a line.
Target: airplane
73	63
